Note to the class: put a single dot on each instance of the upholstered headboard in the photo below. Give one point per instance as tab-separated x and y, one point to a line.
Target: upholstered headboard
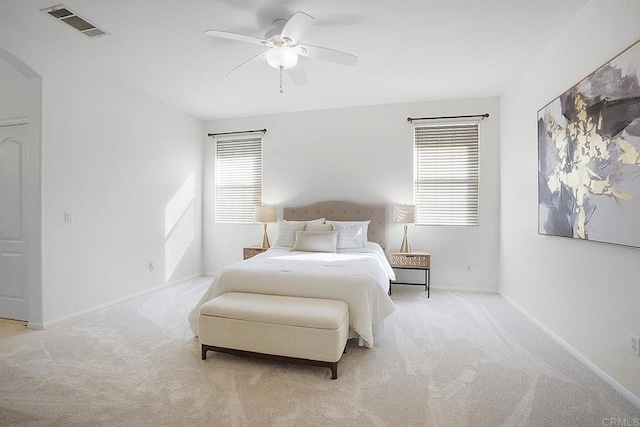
344	211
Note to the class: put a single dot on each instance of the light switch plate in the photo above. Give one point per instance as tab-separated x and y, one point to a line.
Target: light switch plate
634	344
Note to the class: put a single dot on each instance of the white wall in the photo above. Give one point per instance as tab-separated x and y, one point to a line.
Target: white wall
130	170
586	293
117	160
14	88
127	167
364	155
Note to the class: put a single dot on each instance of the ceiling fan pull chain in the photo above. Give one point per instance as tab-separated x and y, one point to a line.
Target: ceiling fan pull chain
281	79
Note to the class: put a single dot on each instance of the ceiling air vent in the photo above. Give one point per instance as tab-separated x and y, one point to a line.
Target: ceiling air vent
62	13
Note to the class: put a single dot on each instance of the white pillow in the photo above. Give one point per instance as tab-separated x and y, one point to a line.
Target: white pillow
286	230
315	241
351	234
318	227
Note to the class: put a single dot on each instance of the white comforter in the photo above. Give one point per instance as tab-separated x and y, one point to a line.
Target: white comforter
358	277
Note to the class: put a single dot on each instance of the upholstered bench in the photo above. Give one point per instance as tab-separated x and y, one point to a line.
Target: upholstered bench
309	331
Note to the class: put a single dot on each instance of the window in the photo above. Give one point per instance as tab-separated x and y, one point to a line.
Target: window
446	174
238	178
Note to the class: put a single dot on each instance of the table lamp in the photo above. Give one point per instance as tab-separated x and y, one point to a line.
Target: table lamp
406	214
265	214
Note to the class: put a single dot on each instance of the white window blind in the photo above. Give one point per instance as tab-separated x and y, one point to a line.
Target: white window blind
446	174
238	178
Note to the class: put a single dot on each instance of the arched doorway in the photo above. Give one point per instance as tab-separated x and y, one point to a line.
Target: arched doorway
20	177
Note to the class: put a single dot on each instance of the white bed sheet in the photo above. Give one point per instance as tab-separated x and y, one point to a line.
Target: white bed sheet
359	277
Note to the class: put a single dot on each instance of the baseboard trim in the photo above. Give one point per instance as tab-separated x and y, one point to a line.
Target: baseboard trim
35	326
575	353
50	323
186	279
445	288
459	289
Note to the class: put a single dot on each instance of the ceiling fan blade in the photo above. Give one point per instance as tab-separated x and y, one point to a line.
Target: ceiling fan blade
327	54
237	36
298	75
296	27
252	59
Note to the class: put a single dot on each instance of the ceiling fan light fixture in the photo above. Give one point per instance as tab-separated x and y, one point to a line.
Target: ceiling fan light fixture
283	57
283	48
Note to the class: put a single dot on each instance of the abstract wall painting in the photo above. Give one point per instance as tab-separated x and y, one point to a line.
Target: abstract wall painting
589	156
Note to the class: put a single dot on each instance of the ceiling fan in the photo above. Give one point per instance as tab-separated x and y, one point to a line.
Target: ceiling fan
283	47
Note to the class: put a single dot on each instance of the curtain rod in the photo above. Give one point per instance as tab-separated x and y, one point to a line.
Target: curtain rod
483	116
240	131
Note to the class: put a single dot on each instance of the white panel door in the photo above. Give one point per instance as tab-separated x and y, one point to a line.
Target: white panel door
13	263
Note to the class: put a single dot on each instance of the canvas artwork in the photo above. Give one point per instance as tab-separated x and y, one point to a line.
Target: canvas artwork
589	156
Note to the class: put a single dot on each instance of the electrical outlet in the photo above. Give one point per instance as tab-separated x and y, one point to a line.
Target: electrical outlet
68	216
152	266
469	267
634	345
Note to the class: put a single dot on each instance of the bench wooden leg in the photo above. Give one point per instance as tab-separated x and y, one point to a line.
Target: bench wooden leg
334	370
204	352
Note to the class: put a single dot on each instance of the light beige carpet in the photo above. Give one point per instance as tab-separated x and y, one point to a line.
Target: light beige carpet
455	359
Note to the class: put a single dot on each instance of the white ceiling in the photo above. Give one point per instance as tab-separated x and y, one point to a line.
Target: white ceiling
409	51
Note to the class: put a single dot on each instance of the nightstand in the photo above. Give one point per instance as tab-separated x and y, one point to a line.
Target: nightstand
251	251
413	261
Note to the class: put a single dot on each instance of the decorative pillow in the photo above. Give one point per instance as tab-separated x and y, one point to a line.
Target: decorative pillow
286	230
351	234
318	227
315	241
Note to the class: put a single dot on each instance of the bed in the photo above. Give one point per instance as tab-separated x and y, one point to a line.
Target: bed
356	275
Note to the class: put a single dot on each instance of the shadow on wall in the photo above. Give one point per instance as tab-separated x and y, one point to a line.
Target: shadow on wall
179	226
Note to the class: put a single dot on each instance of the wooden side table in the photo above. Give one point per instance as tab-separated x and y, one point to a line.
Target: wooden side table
413	261
251	251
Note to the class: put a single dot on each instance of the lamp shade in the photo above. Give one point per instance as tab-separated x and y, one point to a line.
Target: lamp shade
405	213
264	214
